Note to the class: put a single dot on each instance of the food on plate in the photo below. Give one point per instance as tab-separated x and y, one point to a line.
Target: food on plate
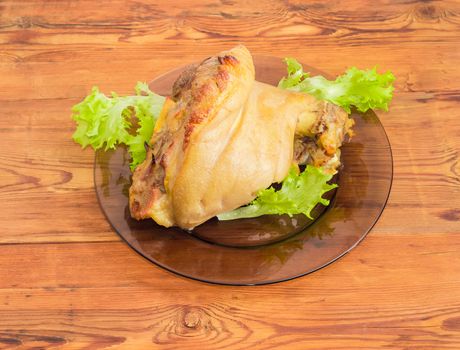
219	142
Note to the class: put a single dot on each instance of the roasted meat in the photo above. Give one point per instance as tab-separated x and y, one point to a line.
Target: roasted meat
222	136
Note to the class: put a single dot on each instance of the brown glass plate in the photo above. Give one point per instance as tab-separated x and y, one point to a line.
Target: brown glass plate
267	249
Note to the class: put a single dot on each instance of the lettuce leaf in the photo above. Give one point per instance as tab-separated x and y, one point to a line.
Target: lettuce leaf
104	122
364	89
299	194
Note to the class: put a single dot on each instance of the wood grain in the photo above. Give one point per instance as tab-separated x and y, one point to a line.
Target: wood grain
66	280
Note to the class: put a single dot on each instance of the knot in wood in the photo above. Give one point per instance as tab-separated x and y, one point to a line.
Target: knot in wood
429	12
24	22
192	318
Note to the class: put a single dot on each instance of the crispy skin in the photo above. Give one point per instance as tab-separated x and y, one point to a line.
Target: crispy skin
224	136
219	83
183	83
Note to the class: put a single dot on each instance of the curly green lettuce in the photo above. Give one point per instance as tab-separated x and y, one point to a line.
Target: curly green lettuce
105	122
299	194
363	89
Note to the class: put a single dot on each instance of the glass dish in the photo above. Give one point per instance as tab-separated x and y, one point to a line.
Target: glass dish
267	249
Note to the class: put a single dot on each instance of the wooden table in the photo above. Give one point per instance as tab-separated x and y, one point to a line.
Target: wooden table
66	279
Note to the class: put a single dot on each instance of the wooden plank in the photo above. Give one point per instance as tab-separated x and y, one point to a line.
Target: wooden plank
41	168
82	67
143	22
104	294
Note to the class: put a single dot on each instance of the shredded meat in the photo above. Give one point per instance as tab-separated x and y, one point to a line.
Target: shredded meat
329	132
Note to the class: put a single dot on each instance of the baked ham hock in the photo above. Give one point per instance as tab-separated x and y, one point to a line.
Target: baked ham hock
222	136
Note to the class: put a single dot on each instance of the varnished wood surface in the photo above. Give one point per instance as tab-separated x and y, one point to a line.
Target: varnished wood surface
67	281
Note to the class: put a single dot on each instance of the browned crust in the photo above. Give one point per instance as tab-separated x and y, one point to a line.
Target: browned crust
206	87
197	91
183	82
